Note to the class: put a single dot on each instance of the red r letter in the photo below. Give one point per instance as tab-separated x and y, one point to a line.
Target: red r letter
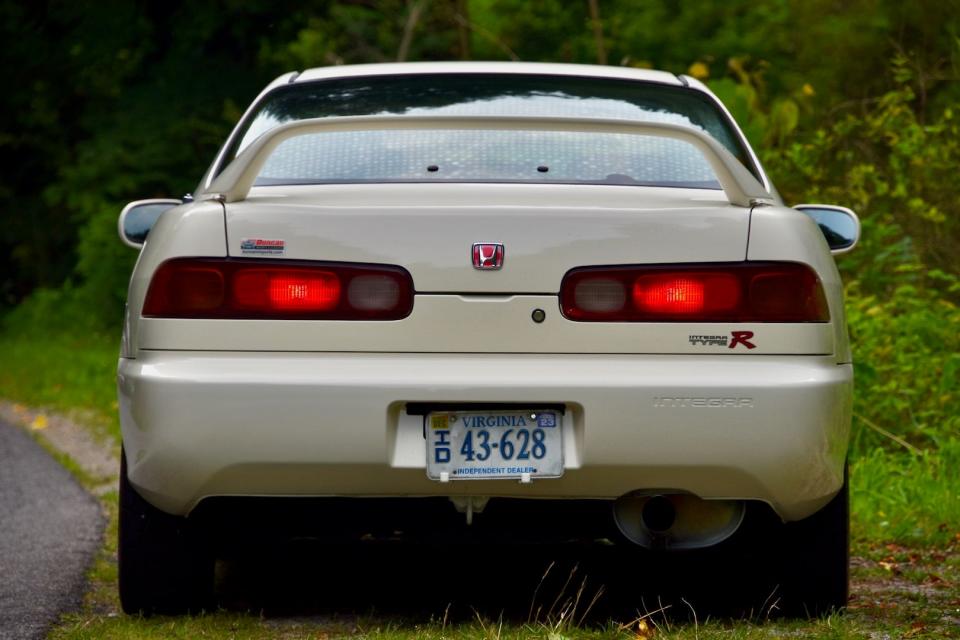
742	337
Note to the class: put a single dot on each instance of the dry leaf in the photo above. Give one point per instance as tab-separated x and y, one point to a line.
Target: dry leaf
644	631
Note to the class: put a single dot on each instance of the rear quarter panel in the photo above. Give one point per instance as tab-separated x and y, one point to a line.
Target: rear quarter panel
781	233
195	229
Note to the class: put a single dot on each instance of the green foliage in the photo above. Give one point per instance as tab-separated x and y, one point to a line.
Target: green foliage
744	98
907	356
98	116
359	32
892	165
64	371
901	282
908	498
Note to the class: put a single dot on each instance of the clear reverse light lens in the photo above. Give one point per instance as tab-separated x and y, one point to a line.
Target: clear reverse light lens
600	295
373	293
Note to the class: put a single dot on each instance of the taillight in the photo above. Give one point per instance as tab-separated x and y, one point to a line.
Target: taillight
283	289
742	292
250	289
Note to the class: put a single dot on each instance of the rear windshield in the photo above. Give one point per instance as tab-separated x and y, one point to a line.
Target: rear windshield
488	155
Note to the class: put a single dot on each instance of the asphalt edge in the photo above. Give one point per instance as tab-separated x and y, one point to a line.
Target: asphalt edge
91	458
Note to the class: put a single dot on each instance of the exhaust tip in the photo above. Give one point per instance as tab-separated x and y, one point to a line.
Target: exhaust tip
659	514
676	520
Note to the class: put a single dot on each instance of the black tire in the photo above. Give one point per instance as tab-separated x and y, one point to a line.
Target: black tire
164	565
815	559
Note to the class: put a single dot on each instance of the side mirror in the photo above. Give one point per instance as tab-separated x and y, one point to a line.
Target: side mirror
138	217
840	226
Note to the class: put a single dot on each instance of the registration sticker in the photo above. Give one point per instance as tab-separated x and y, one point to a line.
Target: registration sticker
547	420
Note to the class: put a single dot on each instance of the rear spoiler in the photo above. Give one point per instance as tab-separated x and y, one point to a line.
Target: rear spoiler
234	183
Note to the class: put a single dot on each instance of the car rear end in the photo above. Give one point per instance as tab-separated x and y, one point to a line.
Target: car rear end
261	399
643	344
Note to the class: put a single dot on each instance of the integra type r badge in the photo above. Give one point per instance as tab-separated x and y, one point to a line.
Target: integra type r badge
736	338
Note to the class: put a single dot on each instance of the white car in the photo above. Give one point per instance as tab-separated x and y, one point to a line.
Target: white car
487	295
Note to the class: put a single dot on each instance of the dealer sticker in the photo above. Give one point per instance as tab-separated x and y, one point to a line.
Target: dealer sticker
262	247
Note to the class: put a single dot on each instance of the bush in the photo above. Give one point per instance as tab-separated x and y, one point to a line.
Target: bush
909	498
907	354
902	288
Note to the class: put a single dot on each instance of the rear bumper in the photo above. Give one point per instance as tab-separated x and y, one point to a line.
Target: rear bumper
202	424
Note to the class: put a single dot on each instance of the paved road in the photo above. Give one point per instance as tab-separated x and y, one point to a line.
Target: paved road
49	531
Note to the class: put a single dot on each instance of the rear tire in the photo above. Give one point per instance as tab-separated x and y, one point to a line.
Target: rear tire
164	565
815	557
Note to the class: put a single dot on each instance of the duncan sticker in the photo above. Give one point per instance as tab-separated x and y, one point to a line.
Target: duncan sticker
262	247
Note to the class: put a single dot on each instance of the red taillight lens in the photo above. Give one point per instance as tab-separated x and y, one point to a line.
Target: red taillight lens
669	295
744	292
782	293
250	289
196	288
286	289
686	293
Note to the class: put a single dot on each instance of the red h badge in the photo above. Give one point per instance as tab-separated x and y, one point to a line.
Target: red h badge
487	255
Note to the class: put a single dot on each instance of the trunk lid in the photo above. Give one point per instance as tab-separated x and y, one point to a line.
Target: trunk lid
430	229
546	230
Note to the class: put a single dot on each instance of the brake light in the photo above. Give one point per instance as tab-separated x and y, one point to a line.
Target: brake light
743	292
679	295
686	293
283	289
251	289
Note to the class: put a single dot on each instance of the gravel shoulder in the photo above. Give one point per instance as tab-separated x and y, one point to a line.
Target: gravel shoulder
93	455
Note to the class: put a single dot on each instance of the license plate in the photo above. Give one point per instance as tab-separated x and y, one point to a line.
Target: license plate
476	445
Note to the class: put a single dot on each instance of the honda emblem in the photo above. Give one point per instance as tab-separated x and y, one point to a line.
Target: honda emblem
487	255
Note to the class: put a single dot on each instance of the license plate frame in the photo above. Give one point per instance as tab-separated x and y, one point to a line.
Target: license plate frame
456	450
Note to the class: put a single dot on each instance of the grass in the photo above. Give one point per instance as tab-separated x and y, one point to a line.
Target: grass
911	498
64	373
905	519
899	592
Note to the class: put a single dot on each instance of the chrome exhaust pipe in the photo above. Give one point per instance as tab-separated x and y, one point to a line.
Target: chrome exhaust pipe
676	520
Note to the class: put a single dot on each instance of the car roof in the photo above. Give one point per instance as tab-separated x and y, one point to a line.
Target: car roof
540	68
